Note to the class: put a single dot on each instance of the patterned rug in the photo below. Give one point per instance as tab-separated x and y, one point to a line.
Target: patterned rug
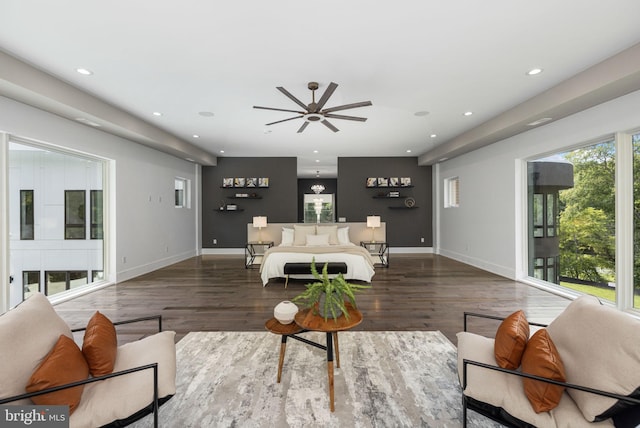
386	379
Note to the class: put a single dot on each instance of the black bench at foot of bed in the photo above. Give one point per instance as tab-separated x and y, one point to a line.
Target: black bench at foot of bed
304	268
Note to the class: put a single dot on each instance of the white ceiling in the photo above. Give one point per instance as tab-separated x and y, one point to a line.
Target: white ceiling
407	56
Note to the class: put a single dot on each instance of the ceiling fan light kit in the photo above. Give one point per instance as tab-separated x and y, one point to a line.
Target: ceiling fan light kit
314	112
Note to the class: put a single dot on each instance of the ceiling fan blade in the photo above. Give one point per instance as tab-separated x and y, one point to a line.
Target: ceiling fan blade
294	99
304	125
284	120
340	116
279	109
325	97
329	125
347	106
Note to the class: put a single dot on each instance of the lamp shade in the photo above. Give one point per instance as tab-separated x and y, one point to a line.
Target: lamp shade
373	221
260	221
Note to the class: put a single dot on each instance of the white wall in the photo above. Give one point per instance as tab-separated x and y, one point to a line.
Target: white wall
149	231
485	230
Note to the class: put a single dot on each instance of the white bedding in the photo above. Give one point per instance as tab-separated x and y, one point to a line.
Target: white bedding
359	266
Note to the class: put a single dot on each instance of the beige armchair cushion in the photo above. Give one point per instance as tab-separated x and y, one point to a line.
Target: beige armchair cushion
591	336
32	329
119	397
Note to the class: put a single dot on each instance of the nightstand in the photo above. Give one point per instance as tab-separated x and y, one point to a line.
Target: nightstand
254	252
379	250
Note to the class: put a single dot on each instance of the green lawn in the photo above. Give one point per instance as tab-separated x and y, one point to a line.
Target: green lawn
603	293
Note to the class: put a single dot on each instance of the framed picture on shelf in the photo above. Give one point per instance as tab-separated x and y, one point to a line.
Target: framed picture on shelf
238	182
263	182
394	182
252	182
405	181
383	182
227	182
372	182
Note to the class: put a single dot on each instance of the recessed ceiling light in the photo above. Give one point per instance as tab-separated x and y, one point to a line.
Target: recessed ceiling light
421	113
196	136
408	150
221	151
317	160
468	113
433	135
84	71
206	113
315	151
157	113
534	71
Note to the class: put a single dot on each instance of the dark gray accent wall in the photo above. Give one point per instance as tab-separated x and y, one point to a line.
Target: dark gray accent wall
278	202
405	227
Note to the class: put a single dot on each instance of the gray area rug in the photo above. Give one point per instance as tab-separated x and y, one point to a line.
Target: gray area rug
386	379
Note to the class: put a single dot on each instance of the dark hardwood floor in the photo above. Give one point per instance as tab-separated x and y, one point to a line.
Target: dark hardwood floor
216	293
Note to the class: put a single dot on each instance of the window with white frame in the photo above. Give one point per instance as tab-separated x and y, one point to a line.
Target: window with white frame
452	192
182	192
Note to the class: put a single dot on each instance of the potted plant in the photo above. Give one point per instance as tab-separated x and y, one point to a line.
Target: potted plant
327	296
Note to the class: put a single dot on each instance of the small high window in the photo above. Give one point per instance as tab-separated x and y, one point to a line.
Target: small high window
182	193
452	192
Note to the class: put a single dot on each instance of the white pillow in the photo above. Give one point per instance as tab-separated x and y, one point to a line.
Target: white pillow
287	237
317	240
343	236
332	231
301	232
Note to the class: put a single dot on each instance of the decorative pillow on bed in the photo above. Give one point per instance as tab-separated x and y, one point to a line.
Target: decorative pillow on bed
300	234
317	240
332	231
343	236
287	237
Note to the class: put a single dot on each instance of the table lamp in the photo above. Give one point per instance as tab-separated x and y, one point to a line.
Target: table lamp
373	221
260	222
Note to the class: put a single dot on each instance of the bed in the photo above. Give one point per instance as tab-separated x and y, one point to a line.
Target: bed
325	243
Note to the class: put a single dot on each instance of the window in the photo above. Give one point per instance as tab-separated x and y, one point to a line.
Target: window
572	219
97	275
74	214
70	205
319	208
30	283
26	214
635	141
182	193
59	281
96	214
452	192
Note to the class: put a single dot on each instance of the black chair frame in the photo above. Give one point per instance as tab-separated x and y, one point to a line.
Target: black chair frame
498	414
153	408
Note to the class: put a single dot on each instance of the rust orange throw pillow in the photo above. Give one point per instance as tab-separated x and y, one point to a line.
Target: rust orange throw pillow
511	339
541	358
64	364
100	345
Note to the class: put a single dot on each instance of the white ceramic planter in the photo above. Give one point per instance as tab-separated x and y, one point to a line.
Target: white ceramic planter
285	311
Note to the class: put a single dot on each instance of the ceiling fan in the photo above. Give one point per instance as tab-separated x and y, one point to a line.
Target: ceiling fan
314	112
